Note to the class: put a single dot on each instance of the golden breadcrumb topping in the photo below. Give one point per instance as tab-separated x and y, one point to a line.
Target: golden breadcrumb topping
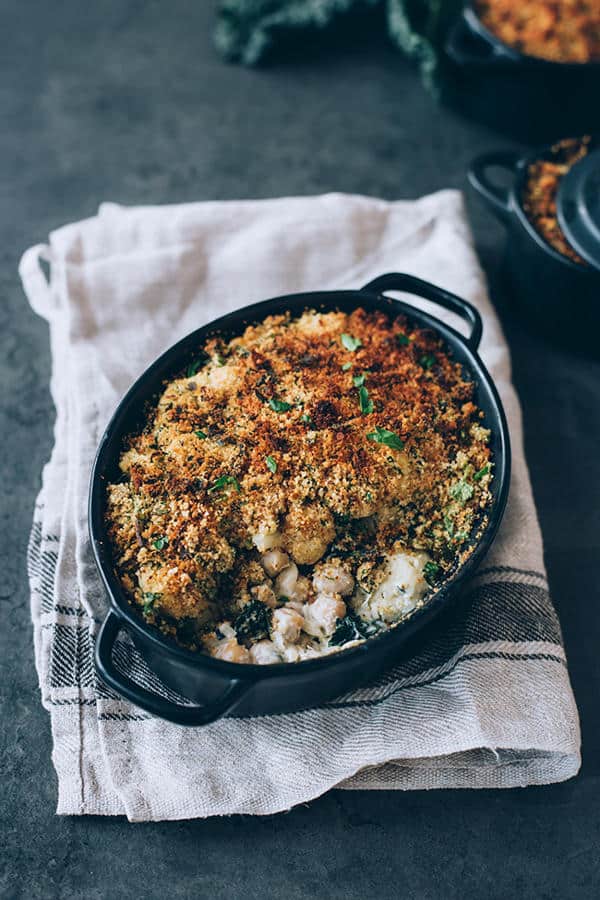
277	477
556	30
541	190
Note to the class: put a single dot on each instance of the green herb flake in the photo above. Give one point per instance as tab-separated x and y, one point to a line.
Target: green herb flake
305	418
220	360
427	360
449	525
279	405
346	366
271	464
461	491
160	543
149	601
224	481
201	434
366	405
431	572
389	438
193	367
350	343
479	475
359	380
403	339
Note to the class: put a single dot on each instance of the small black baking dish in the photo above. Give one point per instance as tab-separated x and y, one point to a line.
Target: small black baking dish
222	688
558	296
527	97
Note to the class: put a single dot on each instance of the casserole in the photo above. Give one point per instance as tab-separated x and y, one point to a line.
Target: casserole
223	687
528	97
559	296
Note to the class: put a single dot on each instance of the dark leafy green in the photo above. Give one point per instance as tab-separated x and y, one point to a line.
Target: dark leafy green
254	622
350	628
431	572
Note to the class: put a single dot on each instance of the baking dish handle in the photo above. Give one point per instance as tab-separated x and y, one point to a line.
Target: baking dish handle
152	703
395	281
467	48
496	197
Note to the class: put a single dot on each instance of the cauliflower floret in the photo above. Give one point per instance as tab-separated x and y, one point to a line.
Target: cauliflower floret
321	615
307	532
231	651
286	626
401	589
332	578
264	653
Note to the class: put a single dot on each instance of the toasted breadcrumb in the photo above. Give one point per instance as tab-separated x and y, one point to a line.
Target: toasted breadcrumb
556	30
285	443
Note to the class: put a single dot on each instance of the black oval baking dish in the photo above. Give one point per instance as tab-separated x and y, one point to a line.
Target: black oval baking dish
528	97
223	688
559	297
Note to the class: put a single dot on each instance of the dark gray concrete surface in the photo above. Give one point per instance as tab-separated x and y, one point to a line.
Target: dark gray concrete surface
127	101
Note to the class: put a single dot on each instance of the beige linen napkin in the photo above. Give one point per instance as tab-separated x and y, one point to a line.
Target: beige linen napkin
487	703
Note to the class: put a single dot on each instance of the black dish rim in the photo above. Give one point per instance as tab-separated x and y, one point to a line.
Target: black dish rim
173	360
545	153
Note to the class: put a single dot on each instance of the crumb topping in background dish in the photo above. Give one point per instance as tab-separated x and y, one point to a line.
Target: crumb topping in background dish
300	487
556	30
541	189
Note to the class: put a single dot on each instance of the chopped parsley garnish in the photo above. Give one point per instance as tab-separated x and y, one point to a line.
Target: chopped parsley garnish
449	525
366	405
193	367
305	418
346	366
279	405
389	438
359	380
220	360
160	543
223	482
427	360
431	572
403	339
271	464
149	601
351	343
461	491
479	475
201	434
253	622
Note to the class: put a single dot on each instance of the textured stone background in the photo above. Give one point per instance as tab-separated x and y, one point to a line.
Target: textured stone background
126	100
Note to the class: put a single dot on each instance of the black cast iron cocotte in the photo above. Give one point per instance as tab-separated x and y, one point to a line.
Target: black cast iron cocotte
220	688
558	296
527	97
